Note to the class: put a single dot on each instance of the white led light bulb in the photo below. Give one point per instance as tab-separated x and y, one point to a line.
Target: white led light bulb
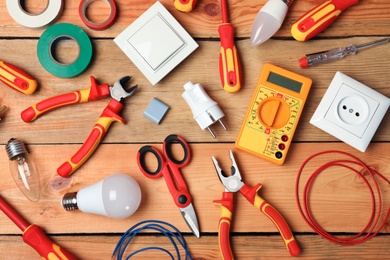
117	196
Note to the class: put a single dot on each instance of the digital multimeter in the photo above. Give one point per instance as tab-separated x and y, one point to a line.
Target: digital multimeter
273	113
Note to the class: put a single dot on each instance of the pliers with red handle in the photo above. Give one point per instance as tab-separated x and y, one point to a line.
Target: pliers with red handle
108	116
234	184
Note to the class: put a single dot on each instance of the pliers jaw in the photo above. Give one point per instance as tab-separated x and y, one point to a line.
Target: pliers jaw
118	90
232	183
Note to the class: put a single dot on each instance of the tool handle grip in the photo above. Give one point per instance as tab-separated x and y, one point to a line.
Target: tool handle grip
184	6
37	239
17	79
109	115
250	193
319	18
94	92
229	61
226	204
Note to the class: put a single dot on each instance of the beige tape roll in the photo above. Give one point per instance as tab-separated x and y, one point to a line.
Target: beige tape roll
47	16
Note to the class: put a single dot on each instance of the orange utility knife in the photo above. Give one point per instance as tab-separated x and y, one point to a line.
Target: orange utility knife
319	18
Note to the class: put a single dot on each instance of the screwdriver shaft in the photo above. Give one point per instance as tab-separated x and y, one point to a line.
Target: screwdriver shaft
337	53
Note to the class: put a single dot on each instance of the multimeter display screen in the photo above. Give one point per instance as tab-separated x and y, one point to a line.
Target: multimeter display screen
284	82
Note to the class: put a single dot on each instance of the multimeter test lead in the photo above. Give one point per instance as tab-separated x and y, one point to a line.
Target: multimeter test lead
337	53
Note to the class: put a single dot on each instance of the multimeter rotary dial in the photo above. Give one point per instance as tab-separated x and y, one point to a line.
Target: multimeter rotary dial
273	112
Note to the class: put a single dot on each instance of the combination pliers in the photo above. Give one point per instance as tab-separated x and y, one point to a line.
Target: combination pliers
233	184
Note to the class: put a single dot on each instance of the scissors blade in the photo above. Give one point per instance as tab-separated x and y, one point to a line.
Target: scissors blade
189	216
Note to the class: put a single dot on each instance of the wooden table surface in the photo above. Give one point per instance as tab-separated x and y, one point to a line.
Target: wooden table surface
340	201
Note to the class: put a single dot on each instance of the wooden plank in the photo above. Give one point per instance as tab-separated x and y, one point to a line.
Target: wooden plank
244	247
110	64
340	200
204	20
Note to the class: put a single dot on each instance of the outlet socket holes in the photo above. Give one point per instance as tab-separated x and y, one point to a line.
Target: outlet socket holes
353	110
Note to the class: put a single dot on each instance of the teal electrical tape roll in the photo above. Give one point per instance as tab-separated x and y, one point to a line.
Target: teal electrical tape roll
49	39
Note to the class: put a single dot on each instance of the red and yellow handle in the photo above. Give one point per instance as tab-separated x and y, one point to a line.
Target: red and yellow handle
319	18
229	62
94	92
37	239
17	79
226	204
109	115
184	6
250	193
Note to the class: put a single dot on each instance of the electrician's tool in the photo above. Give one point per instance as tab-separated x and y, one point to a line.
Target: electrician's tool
229	61
184	6
17	79
233	184
319	18
337	53
34	236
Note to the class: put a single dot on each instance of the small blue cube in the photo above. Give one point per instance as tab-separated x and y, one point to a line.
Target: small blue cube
156	110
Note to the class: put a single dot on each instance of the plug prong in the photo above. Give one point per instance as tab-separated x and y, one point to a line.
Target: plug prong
222	124
211	132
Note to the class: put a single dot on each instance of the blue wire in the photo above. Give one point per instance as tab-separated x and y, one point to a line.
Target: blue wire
155	225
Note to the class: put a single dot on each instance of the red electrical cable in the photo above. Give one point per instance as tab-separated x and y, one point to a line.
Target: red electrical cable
371	229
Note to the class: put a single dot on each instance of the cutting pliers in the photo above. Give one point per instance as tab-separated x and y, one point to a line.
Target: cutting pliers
234	183
109	115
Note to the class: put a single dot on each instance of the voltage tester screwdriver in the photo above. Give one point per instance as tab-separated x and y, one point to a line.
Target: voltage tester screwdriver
229	62
35	237
337	53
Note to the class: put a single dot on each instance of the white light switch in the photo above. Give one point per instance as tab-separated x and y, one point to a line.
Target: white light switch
156	43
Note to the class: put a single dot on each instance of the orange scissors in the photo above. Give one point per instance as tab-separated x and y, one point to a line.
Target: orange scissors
169	167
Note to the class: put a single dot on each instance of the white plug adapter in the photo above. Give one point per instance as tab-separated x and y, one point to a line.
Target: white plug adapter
205	110
350	111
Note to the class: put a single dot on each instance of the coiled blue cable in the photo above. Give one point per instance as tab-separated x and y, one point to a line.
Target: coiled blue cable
170	231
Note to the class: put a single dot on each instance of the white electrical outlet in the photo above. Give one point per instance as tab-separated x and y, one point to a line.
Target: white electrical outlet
350	111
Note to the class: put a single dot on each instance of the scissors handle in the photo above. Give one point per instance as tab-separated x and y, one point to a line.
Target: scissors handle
168	166
167	148
142	164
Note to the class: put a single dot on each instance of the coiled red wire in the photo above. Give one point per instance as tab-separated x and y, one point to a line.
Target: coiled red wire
373	226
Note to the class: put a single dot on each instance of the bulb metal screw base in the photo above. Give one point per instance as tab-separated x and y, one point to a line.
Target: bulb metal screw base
14	147
69	201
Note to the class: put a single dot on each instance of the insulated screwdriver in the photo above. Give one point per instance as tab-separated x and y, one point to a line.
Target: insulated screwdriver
184	6
337	53
17	79
35	237
229	62
319	18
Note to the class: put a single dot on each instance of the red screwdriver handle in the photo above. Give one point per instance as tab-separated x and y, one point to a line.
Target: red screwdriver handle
250	193
229	62
226	204
37	239
109	115
17	79
184	6
319	18
94	92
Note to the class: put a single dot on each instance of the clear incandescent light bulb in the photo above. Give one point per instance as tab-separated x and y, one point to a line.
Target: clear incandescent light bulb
117	196
23	169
